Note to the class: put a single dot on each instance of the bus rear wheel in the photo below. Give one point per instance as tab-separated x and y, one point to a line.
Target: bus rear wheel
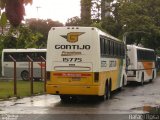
123	84
25	75
107	92
151	80
142	80
65	98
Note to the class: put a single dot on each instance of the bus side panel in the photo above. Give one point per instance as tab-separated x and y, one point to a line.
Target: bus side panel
114	73
20	67
146	68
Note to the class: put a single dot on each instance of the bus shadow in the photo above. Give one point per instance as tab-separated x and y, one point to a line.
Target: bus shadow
116	92
94	100
82	101
133	84
137	84
89	100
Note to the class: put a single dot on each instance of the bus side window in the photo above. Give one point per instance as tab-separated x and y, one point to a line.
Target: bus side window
138	54
115	49
21	57
43	54
119	50
112	48
39	55
143	55
102	46
38	58
28	54
6	57
109	47
106	46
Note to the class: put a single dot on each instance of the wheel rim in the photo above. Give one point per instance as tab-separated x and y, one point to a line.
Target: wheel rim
25	75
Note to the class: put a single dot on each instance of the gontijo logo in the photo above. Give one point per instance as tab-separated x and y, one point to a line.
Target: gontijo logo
72	37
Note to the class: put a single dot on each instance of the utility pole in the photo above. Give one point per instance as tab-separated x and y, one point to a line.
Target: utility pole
38	7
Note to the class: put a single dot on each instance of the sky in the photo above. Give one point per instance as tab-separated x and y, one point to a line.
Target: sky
57	10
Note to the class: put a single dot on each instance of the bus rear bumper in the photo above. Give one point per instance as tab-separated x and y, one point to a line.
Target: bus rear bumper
133	79
72	90
129	78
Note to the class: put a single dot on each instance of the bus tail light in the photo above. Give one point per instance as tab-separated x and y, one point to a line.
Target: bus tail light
48	76
96	76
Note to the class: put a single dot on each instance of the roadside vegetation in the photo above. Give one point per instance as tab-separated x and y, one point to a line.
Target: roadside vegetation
23	89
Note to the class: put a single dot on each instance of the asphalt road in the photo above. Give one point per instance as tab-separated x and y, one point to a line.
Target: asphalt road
133	99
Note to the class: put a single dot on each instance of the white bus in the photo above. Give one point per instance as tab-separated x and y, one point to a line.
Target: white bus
142	66
22	64
84	61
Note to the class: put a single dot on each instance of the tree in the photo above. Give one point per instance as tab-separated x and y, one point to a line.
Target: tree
13	10
86	12
43	27
105	8
111	20
143	15
135	15
96	10
74	21
21	37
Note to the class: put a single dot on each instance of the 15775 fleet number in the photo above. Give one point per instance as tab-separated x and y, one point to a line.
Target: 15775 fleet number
72	59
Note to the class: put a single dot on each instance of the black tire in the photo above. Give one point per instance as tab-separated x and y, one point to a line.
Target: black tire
65	98
104	97
107	92
74	98
151	80
123	84
142	80
25	75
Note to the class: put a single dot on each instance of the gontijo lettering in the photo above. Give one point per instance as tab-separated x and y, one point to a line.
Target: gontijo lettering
74	47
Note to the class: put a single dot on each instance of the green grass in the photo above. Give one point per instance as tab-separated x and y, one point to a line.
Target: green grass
23	89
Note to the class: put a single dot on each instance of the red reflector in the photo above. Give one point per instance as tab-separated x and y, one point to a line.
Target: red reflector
57	74
72	74
85	75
